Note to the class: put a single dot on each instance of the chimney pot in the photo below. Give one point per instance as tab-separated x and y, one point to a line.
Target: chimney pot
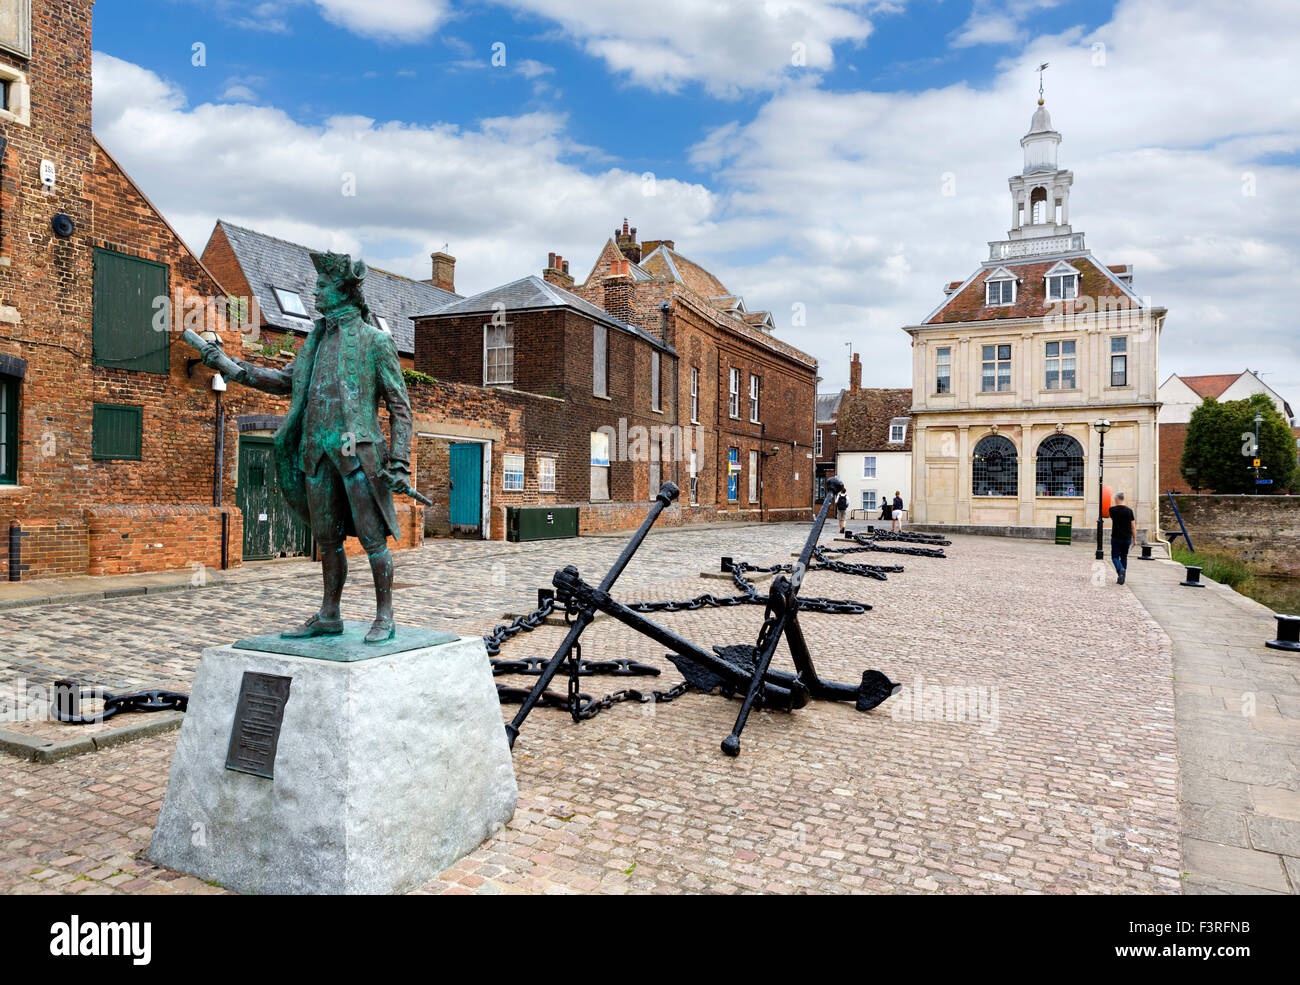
565	268
550	260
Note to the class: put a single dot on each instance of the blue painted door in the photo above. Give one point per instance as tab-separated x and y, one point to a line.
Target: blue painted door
466	484
733	473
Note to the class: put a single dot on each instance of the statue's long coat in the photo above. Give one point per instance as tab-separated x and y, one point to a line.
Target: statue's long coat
371	371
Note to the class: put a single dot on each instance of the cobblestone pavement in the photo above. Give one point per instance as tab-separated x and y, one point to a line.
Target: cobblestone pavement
1037	754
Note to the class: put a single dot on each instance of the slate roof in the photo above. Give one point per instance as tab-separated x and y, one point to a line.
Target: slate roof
865	416
532	293
967	302
666	264
269	262
828	405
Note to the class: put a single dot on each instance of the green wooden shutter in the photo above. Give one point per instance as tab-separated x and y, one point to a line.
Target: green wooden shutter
125	289
8	430
117	432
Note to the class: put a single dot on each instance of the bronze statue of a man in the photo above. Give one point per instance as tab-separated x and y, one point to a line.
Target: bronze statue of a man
336	471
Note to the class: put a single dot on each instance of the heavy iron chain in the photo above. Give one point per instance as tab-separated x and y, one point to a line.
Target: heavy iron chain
865	544
155	700
904	535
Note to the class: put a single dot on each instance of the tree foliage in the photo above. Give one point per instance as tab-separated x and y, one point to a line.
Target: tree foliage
1220	447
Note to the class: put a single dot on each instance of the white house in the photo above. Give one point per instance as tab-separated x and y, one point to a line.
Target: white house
874	457
1180	395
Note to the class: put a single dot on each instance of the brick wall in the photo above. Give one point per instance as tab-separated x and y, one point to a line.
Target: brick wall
1262	529
132	539
1172	439
48	548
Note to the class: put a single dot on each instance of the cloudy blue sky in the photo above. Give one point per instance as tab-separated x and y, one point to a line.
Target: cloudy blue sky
800	149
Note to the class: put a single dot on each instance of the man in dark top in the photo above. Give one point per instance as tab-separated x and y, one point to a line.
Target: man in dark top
1121	535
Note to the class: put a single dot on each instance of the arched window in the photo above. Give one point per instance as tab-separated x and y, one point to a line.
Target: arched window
1059	467
1038	205
994	468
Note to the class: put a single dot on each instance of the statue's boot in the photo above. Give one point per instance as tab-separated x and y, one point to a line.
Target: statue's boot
382	629
314	626
327	622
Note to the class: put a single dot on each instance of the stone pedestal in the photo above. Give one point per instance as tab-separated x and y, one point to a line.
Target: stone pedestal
388	769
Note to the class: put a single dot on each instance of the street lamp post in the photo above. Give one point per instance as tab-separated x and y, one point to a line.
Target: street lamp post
1259	419
1102	427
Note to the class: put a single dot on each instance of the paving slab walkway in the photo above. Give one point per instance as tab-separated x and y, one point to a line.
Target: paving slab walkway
1237	727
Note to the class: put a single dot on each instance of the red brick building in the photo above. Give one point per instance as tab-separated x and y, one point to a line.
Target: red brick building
753	394
108	442
648	371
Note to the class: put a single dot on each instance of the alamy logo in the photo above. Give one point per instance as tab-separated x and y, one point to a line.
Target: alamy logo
75	939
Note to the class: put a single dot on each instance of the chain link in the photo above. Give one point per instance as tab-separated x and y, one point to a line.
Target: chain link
155	700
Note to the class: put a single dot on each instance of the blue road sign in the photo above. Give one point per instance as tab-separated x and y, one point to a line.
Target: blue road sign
1263	482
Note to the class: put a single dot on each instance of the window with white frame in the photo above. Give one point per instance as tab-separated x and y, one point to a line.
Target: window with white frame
943	369
545	474
1119	361
512	472
996	364
753	398
599	465
1000	292
1060	365
735	393
869	500
498	355
1062	287
654	380
868	466
897	433
817	443
695	395
600	360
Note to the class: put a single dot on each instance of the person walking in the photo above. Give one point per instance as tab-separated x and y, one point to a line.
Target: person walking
842	509
1121	536
898	510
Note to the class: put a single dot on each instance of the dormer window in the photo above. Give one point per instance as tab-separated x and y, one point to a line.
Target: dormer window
1063	287
1001	291
1062	283
290	303
1000	288
897	432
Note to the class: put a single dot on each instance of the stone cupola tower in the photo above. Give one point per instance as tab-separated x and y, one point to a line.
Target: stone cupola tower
1040	194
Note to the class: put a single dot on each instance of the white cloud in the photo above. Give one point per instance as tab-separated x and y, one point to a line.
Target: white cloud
387	20
501	194
727	46
844	190
998	21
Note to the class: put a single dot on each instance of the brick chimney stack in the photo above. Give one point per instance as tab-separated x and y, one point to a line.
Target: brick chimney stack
855	373
625	240
444	271
617	285
557	272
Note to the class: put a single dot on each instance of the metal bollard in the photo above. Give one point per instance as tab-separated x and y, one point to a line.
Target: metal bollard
67	699
1288	633
1193	577
1146	553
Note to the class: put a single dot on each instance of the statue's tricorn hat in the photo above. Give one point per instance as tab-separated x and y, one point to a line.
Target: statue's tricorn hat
340	269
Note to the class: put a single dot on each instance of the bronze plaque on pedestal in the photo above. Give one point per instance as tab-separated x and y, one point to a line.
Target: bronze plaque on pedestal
258	716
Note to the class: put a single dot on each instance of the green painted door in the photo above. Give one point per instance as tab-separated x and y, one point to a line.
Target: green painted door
270	527
466	484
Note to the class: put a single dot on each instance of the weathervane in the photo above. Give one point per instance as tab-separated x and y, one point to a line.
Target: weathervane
1041	69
